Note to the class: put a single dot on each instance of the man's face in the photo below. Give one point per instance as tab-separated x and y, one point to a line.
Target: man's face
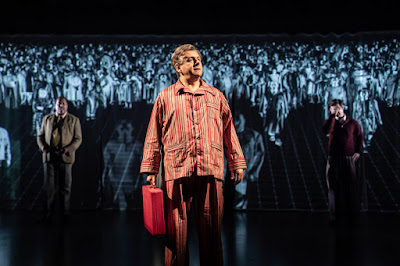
61	106
337	110
191	65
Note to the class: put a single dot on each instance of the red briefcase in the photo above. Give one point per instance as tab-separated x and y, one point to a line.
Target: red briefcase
153	210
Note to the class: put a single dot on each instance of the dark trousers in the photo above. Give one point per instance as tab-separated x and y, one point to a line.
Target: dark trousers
57	176
343	187
204	195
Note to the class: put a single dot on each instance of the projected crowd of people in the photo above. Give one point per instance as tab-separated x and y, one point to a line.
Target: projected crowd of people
272	77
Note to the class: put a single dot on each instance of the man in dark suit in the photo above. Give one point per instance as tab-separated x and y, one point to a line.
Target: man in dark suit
59	137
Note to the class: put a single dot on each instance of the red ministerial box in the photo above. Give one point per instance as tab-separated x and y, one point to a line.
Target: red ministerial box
153	210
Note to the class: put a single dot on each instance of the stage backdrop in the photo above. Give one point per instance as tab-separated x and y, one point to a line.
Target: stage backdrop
278	87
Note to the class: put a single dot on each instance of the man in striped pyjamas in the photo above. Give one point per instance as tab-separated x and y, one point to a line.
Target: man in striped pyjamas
191	125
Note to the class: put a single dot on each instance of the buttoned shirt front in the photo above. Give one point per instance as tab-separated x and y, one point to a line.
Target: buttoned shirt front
194	130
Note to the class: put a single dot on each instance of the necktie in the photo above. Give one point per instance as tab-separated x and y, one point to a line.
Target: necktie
56	137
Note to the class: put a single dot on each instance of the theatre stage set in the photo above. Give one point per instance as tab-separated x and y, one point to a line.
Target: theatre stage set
277	63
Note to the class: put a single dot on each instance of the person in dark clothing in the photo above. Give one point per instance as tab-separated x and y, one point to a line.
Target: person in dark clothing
344	148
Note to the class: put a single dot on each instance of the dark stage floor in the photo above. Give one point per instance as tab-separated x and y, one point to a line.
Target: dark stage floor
252	238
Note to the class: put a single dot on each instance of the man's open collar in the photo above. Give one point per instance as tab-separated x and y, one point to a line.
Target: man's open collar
203	86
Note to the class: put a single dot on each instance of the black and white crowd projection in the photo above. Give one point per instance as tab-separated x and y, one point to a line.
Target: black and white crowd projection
278	88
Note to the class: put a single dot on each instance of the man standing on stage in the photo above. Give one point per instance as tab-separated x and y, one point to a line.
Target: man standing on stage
191	125
59	137
344	147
